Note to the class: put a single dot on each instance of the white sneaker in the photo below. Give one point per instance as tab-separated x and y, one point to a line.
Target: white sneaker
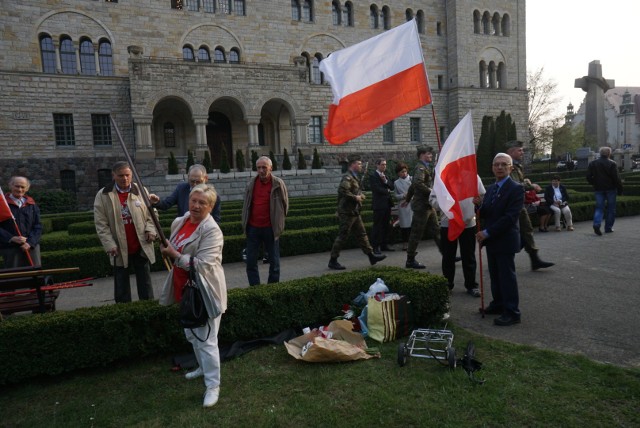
194	374
211	396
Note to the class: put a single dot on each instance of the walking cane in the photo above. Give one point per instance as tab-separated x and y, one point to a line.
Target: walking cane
143	193
480	261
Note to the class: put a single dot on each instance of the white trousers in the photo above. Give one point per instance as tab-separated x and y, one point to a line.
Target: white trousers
207	352
557	211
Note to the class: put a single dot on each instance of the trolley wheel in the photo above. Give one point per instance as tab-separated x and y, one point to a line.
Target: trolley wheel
451	357
402	354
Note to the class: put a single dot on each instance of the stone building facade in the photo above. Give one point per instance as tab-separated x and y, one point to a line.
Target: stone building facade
228	75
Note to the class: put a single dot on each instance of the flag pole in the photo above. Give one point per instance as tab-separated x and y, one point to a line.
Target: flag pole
15	224
480	263
435	124
143	193
26	253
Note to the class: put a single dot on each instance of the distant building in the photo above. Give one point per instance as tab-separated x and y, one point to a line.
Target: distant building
622	115
228	75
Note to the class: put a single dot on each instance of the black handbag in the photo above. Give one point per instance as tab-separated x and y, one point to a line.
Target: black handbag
193	312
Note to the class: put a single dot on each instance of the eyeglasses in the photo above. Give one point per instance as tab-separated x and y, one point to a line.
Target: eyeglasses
502	165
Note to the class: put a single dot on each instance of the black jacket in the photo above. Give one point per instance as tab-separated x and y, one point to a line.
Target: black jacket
602	174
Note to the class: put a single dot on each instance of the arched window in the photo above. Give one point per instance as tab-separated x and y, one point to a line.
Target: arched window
218	55
316	76
295	10
238	7
506	25
307	11
486	23
482	69
87	58
477	22
374	17
408	14
225	7
347	14
495	23
386	18
68	180
187	54
209	6
203	54
105	58
48	54
420	21
67	56
169	132
234	56
336	13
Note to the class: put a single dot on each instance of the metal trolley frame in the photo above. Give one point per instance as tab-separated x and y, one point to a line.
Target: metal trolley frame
429	343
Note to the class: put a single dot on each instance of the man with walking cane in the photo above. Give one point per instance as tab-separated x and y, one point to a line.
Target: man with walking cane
126	230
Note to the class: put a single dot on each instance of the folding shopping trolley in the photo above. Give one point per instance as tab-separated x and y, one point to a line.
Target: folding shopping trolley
429	343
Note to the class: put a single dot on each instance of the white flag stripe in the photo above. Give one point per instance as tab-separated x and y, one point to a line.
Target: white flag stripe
373	60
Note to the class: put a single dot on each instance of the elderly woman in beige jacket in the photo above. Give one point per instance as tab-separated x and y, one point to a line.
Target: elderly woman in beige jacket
196	235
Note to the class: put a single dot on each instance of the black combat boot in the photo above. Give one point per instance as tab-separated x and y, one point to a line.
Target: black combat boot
413	264
536	263
375	258
333	264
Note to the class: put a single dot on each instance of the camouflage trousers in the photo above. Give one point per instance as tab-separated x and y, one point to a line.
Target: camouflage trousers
350	223
423	220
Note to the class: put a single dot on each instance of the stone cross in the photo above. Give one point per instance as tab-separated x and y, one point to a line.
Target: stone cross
595	127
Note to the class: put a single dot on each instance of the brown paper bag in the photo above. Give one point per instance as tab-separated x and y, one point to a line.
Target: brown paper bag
345	345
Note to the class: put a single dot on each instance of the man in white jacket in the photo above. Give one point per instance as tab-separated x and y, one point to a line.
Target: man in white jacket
126	231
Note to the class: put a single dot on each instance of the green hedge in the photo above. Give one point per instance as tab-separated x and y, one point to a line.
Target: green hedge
64	341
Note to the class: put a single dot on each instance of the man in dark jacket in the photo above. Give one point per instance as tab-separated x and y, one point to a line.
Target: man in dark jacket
602	174
381	187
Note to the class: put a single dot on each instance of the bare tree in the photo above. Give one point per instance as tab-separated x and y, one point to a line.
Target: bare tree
543	98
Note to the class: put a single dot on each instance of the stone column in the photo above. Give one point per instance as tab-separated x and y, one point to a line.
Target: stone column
252	123
201	136
56	47
96	55
144	141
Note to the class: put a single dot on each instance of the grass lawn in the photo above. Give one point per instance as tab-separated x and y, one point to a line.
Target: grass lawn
269	388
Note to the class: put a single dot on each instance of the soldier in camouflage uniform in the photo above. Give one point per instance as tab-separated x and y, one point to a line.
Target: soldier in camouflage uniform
350	199
424	216
516	151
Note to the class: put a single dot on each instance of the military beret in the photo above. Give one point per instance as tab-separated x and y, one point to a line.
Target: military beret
513	144
353	158
424	149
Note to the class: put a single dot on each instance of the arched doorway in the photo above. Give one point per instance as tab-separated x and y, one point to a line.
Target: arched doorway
219	138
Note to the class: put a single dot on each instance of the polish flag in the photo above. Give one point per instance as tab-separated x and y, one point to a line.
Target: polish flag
456	177
5	211
375	81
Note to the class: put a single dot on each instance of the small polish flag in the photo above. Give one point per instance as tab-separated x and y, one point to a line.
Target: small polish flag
5	211
375	81
456	177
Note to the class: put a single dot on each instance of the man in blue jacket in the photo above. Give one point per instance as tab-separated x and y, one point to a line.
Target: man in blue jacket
500	212
197	175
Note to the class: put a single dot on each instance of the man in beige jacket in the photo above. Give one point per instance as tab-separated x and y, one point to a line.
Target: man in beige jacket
125	228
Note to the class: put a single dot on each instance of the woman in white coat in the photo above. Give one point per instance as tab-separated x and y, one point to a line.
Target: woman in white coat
405	214
197	235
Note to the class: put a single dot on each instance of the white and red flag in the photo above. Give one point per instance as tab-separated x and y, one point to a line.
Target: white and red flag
456	177
375	81
5	211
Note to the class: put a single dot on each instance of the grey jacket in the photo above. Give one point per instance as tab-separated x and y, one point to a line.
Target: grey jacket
278	204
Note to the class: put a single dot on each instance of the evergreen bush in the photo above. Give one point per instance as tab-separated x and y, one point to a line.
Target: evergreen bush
54	201
224	161
286	163
240	161
190	160
254	159
302	163
206	162
274	161
173	165
316	163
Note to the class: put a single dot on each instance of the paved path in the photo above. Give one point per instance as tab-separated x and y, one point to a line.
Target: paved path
589	303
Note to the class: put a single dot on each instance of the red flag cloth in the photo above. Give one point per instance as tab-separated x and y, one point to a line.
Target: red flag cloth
456	177
5	211
375	81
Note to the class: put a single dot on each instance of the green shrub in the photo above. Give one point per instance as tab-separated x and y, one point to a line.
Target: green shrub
316	163
224	161
54	201
302	163
61	342
206	162
274	161
173	165
240	161
254	159
190	160
286	163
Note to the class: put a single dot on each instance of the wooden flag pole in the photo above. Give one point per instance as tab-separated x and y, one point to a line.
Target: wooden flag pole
143	193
